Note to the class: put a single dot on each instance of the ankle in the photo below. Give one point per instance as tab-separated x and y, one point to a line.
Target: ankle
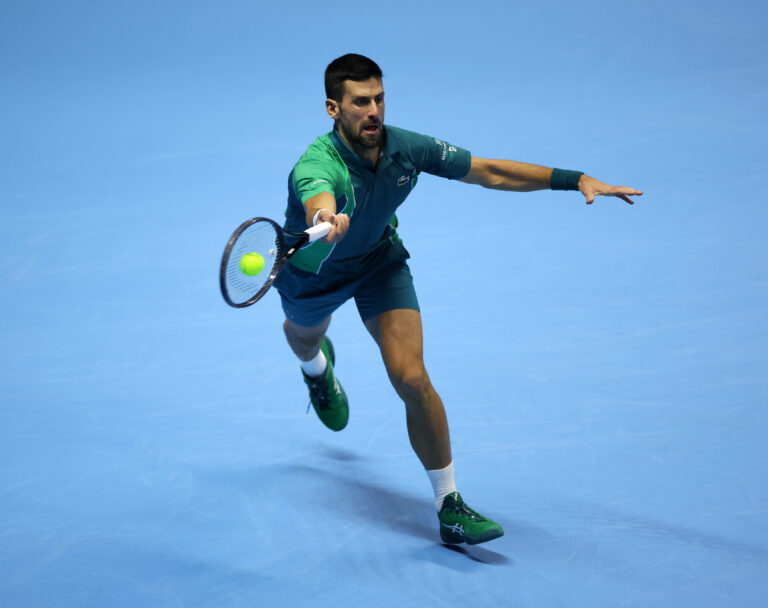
443	483
315	366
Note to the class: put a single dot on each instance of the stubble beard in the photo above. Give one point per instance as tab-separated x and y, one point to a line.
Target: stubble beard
361	141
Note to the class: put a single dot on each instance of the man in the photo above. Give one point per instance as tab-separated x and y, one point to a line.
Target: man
355	177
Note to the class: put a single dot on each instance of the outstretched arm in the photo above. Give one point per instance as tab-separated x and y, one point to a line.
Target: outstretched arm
524	177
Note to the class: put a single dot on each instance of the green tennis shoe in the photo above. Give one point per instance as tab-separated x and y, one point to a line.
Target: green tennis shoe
460	524
326	395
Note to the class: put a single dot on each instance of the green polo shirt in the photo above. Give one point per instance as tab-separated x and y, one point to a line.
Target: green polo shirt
369	195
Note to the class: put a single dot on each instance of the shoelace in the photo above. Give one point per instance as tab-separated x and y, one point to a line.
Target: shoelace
316	388
465	510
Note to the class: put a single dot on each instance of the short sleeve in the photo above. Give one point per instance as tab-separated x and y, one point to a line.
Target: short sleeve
320	169
446	160
311	178
436	156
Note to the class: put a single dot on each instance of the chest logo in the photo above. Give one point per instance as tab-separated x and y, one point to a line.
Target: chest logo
404	179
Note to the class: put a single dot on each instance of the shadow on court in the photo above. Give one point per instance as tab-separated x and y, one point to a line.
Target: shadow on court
340	484
390	509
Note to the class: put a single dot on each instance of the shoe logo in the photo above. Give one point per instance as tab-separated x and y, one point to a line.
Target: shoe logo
455	528
404	179
336	386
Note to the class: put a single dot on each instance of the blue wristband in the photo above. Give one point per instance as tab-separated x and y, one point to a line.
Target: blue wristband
562	179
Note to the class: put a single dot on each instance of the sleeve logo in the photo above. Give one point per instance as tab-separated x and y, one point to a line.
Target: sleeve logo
445	148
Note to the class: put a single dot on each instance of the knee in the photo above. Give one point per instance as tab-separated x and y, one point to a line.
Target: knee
305	343
411	381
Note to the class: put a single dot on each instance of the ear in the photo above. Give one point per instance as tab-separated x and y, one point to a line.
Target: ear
332	107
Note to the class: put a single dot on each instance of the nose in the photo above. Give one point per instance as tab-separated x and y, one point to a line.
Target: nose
375	109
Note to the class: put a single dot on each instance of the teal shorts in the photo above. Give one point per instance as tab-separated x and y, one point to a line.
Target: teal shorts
308	299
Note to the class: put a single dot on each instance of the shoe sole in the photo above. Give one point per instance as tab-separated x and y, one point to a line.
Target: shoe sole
482	538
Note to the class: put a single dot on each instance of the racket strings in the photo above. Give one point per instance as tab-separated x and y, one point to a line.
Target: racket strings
260	237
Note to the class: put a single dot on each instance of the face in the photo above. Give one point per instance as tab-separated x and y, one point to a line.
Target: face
360	115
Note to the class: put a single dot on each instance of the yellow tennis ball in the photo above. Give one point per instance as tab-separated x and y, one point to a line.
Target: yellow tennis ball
251	264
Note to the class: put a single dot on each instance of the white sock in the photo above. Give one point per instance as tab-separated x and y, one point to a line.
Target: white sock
315	367
443	483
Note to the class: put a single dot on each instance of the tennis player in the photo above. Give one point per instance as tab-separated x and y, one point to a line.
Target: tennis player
355	177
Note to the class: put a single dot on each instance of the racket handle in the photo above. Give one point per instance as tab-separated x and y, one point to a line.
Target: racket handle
318	232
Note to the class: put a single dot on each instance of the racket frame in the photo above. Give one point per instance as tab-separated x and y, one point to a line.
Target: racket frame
308	236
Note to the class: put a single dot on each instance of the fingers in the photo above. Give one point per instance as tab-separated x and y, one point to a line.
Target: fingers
626	190
621	192
340	226
624	193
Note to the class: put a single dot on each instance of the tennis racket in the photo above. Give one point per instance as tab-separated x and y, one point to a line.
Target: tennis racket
265	237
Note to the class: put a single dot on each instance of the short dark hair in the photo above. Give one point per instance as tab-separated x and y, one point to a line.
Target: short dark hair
348	67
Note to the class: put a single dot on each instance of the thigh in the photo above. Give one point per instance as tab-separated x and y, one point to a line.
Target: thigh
398	334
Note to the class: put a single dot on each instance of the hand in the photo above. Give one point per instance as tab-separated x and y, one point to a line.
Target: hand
590	187
339	223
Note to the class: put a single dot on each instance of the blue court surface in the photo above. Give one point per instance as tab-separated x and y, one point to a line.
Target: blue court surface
604	368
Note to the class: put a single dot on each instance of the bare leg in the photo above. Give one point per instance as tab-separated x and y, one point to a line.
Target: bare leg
399	336
305	342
